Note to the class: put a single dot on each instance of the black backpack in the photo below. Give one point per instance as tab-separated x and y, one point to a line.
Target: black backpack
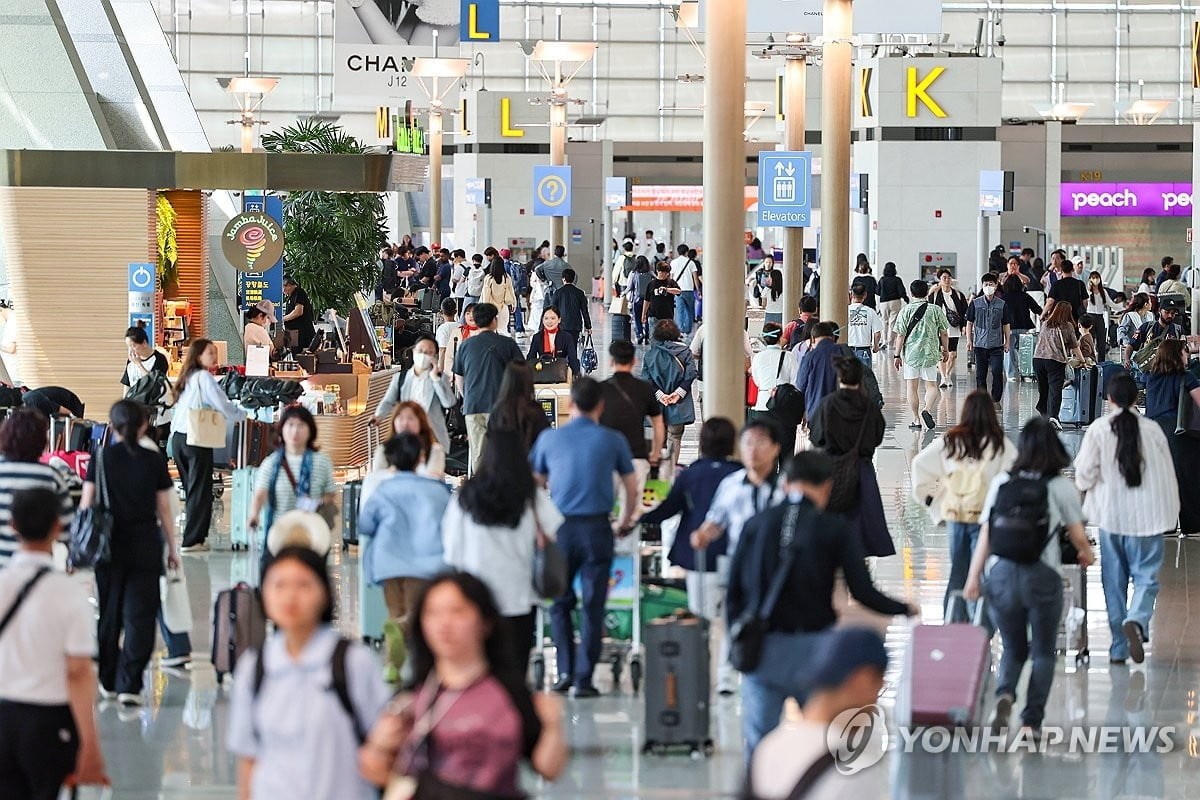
150	390
1019	523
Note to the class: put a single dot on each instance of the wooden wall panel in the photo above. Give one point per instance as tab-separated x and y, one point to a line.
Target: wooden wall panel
191	234
68	254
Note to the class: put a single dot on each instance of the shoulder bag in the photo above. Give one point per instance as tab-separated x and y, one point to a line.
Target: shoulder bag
787	402
748	635
91	528
844	495
549	562
1073	361
325	510
22	595
1187	420
918	315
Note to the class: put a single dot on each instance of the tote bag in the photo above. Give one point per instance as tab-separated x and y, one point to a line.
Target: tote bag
176	610
206	428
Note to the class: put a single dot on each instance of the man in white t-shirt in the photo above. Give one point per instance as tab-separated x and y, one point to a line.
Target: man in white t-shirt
845	675
683	271
865	326
649	247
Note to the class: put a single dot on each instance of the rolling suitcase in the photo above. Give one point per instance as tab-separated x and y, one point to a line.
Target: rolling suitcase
620	327
351	492
945	674
1072	630
1025	345
244	478
678	684
1079	399
1104	371
239	624
372	610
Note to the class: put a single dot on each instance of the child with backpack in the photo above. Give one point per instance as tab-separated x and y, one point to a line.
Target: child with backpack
301	707
1033	516
952	475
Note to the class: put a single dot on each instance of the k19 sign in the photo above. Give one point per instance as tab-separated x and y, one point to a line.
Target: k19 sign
1126	200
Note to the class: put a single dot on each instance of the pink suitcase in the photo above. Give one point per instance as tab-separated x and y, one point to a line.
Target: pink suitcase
946	674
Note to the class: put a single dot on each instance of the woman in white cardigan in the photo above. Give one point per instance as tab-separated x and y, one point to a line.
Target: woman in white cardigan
492	527
952	475
498	290
1124	466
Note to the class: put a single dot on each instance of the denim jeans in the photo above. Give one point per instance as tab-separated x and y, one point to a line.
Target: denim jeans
963	536
587	542
785	657
1124	559
990	358
685	312
178	644
863	354
1025	602
1012	359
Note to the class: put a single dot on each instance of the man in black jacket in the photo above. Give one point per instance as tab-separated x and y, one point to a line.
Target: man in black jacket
572	305
813	546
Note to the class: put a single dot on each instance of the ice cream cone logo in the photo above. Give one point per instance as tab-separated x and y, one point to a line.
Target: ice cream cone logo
254	239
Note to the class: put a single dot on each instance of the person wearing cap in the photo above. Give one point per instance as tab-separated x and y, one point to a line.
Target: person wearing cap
813	545
846	674
1165	327
258	317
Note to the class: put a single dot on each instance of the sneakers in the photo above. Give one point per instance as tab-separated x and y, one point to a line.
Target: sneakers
107	694
175	662
928	419
1133	634
586	692
563	684
203	547
129	699
1001	713
1054	423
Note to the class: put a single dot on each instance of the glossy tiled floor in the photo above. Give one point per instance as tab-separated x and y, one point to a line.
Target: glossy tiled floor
175	747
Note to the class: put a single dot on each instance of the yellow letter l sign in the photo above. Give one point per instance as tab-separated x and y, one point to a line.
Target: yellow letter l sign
920	91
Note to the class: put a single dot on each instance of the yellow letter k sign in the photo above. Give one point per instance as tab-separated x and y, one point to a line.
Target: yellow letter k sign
919	90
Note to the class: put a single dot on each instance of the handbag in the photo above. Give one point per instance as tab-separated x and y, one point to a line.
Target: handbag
619	305
206	428
748	635
1187	421
1074	362
91	528
176	608
844	495
549	562
588	358
548	369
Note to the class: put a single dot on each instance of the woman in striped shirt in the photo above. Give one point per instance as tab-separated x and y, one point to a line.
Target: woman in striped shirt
23	439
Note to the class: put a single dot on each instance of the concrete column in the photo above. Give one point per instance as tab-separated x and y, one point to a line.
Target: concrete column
724	213
1195	246
435	177
837	79
795	82
558	158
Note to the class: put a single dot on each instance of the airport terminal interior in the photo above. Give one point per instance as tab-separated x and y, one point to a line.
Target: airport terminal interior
257	217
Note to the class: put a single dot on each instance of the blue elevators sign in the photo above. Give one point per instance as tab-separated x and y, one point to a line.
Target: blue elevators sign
785	189
552	191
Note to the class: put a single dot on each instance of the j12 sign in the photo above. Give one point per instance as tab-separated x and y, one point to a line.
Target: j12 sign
1126	200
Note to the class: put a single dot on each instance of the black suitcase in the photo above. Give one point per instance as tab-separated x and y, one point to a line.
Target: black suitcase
351	493
239	623
619	326
678	687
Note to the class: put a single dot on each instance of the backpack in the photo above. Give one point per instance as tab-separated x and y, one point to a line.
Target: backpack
1019	524
149	390
338	684
520	277
475	281
966	491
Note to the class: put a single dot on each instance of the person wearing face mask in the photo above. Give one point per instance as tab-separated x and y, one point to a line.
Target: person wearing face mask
989	320
427	385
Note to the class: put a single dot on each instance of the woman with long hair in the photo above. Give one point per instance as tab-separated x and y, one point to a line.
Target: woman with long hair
492	528
516	410
1124	469
498	290
1137	313
671	367
639	285
137	492
951	477
1025	599
862	275
893	295
1168	380
22	443
774	295
294	725
1101	308
1025	311
1056	343
465	691
296	475
848	421
410	417
756	282
196	388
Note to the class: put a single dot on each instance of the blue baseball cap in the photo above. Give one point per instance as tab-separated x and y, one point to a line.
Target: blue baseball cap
840	653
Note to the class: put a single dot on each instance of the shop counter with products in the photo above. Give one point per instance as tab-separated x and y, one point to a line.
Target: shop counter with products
343	405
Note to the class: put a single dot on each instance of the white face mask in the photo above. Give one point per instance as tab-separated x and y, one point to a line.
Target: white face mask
420	360
989	290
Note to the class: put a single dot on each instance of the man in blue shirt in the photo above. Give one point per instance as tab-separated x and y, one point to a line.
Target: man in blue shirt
989	321
577	462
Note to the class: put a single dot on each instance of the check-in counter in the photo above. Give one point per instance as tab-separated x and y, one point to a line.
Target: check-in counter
343	437
555	399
